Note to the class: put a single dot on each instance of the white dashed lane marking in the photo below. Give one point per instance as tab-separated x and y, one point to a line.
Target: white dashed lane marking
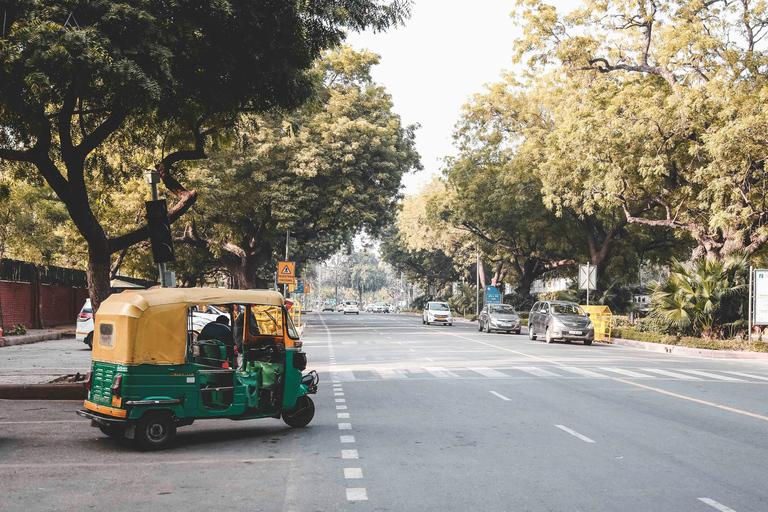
357	494
349	454
501	396
719	506
350	473
574	433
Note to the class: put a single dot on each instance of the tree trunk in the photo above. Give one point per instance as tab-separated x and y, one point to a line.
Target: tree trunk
98	273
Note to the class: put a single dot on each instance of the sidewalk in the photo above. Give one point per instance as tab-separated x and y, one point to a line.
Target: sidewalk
36	335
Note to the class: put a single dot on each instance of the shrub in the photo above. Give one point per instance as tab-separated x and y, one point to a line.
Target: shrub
17	330
472	317
421	301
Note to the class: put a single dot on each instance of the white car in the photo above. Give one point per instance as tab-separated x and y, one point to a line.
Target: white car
351	307
437	312
202	317
84	329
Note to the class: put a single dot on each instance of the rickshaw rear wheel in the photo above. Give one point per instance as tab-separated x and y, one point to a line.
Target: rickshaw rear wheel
155	430
301	414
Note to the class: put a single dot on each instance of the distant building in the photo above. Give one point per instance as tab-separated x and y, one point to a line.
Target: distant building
554	284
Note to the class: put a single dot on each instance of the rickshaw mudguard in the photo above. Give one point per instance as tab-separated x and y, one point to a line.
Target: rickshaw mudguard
293	387
164	403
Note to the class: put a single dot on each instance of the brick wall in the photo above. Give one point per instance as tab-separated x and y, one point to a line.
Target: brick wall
60	304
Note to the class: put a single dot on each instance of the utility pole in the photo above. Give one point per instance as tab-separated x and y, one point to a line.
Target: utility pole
477	273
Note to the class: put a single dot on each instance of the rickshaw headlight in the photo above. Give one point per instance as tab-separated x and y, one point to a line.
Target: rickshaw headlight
117	385
298	344
88	380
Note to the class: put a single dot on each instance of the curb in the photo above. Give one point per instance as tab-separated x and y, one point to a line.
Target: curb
33	338
69	391
688	351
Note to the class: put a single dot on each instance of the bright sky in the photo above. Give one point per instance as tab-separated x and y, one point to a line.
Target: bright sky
446	52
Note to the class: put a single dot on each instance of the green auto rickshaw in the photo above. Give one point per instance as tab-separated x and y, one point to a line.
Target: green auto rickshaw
153	369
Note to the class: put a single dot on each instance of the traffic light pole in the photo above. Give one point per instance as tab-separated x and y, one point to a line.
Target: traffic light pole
152	177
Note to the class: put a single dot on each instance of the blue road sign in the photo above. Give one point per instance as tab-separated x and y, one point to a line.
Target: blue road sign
299	287
492	295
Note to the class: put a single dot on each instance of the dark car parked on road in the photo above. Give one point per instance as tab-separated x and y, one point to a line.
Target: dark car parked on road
555	319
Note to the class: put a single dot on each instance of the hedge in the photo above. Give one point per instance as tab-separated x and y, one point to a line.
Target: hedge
688	341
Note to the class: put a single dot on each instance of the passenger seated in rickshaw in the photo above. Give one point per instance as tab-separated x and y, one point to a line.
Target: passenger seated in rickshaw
219	330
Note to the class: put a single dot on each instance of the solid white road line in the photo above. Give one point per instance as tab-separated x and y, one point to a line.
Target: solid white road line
350	473
675	375
357	494
349	454
719	506
501	396
487	372
711	375
583	372
574	433
536	371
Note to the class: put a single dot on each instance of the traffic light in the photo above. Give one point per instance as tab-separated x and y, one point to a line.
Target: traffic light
160	231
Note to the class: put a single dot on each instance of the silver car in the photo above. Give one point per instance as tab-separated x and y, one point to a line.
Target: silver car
499	317
555	319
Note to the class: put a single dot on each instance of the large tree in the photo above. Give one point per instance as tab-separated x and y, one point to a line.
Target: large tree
660	109
326	171
167	76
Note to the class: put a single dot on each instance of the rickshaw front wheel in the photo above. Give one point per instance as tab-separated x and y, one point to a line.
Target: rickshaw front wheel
301	414
155	430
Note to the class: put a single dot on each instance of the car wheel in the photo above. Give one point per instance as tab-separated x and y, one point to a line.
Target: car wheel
450	324
480	326
587	342
548	336
517	331
509	332
357	313
155	430
116	431
301	414
89	340
488	327
531	336
423	321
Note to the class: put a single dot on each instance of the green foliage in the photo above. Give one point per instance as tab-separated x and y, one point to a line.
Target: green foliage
465	300
17	330
703	297
419	302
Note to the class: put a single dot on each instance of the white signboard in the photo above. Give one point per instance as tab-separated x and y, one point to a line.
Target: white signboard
587	277
761	297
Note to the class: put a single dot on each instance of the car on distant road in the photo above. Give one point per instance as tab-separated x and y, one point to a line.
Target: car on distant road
381	307
560	320
437	312
351	307
329	305
340	307
84	329
500	317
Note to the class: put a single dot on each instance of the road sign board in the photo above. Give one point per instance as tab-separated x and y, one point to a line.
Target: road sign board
307	288
286	269
587	277
492	295
761	297
285	279
299	287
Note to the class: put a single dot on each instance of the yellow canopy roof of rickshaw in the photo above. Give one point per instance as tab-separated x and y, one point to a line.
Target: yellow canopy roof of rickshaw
150	326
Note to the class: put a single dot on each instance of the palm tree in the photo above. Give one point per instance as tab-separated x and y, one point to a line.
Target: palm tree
702	297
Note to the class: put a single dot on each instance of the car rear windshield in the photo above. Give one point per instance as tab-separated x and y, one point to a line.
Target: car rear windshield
503	308
567	309
438	306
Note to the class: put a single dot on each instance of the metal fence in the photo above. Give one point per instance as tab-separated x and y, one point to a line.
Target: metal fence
23	272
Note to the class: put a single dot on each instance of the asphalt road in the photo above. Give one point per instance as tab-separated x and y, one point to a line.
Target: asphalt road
419	418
